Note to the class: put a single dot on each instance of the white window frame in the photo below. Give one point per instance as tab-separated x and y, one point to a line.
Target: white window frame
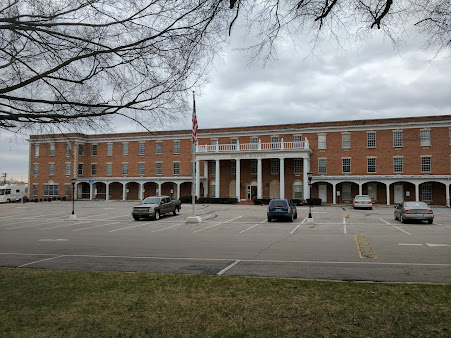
52	169
297	164
80	169
370	142
398	167
54	189
109	169
275	142
212	168
94	166
322	164
425	137
35	189
159	168
254	143
275	167
52	149
424	194
234	143
124	148
346	140
233	167
176	168
214	144
141	168
36	150
253	167
35	169
297	141
368	165
81	149
397	138
109	149
66	190
425	166
94	153
124	168
158	147
322	141
343	159
298	185
141	148
68	149
176	147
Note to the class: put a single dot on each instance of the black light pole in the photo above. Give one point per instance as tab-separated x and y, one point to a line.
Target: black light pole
309	176
73	195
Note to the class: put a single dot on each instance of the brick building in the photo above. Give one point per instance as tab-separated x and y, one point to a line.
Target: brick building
389	159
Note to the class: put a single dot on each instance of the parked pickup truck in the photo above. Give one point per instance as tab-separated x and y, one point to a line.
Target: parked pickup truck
156	206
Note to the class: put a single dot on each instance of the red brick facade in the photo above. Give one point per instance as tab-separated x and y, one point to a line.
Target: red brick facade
422	161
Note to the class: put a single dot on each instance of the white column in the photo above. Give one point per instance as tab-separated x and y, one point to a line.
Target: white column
447	195
217	180
107	190
140	192
360	188
237	179
334	193
306	169
417	192
206	176
178	190
197	179
123	191
282	177
159	189
91	190
259	178
387	187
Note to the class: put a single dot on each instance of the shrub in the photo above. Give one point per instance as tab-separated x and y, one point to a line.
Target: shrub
63	198
35	200
315	201
40	200
297	201
186	199
217	200
49	200
54	198
58	198
261	201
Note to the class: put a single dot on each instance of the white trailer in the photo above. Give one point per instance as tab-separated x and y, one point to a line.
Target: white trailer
13	193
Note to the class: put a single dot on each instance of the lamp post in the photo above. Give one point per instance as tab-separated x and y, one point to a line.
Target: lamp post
73	216
309	176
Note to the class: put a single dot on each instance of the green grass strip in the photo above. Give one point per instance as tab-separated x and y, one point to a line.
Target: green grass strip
44	303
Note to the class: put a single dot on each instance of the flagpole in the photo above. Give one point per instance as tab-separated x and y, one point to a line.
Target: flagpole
192	218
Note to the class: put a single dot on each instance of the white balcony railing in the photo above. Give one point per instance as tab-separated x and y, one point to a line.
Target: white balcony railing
249	147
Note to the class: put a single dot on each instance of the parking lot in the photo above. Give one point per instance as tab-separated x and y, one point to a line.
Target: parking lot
343	244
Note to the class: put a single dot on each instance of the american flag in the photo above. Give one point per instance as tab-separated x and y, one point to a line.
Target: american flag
195	126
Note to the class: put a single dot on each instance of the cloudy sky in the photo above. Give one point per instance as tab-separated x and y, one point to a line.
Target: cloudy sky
371	80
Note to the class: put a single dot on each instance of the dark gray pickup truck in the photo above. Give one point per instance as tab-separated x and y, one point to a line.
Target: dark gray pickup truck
156	206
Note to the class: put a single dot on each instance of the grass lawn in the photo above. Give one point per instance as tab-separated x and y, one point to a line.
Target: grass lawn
43	303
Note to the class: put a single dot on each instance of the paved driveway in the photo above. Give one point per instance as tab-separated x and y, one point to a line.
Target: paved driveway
344	244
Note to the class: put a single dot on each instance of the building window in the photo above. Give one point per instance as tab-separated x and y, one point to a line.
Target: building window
371	164
298	141
234	143
35	189
397	165
80	149
176	147
93	169
214	145
159	148
35	169
36	150
322	165
68	149
80	169
67	189
322	141
297	166
275	166
109	149
141	168
124	169
425	164
254	143
213	189
425	136
94	150
50	189
275	142
253	166
233	167
346	141
124	149
109	169
426	192
176	168
52	149
397	138
346	165
212	168
297	188
142	148
159	168
51	169
371	139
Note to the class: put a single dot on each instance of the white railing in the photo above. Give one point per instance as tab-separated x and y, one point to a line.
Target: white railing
220	148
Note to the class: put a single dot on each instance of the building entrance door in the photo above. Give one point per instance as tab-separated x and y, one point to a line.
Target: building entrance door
322	192
251	192
399	193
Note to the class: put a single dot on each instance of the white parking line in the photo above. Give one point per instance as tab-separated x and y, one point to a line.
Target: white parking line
295	228
95	226
172	226
211	226
253	226
229	267
401	230
385	221
230	220
417	244
42	260
448	226
344	226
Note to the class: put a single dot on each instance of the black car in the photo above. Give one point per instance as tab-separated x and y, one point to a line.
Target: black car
282	208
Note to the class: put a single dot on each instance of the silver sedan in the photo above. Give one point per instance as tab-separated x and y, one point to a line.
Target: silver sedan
408	211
